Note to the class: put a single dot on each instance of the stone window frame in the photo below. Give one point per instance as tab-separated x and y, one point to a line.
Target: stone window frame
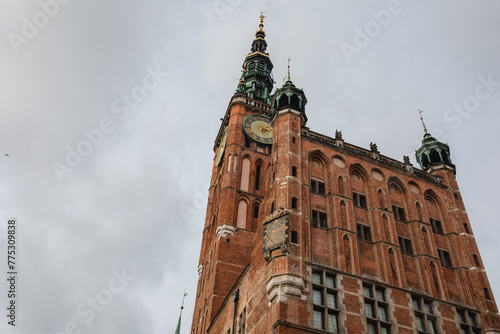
469	321
377	315
423	309
326	308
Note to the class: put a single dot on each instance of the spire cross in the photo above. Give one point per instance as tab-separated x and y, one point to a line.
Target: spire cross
420	111
262	17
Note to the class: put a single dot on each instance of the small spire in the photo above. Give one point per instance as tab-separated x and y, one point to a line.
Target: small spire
178	329
420	111
289	68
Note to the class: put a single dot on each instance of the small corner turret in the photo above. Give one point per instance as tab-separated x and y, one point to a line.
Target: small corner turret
433	155
289	97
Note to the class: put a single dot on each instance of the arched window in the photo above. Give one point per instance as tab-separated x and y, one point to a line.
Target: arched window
318	173
256	210
434	211
341	185
343	214
386	227
427	241
435	278
392	262
398	200
381	201
419	211
241	221
235	163
245	174
229	160
257	177
359	187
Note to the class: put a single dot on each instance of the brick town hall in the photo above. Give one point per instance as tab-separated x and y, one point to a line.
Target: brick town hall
305	233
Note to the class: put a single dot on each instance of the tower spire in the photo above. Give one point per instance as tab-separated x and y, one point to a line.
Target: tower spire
433	154
178	329
257	80
289	68
420	111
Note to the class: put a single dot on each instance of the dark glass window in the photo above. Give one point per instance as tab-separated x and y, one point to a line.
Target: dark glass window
359	200
445	258
405	245
469	323
317	187
319	218
364	232
437	227
399	213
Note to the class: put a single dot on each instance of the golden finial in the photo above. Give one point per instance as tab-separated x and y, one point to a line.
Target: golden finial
262	17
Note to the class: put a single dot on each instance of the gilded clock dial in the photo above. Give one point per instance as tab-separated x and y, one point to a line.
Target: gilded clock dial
222	146
258	127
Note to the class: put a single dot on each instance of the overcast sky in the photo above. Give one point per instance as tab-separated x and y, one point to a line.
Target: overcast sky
109	238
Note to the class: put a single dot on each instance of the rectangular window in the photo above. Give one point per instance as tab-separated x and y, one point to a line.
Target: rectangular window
241	328
359	200
318	218
466	228
476	260
468	322
424	315
318	319
324	299
405	245
294	171
294	202
437	227
399	213
317	187
364	232
376	309
445	258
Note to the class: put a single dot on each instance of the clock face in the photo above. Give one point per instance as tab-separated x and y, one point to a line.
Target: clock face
222	146
258	127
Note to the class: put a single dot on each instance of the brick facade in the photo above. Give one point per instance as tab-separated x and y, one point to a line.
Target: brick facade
366	233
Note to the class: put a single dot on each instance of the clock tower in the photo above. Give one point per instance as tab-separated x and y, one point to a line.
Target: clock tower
306	233
238	188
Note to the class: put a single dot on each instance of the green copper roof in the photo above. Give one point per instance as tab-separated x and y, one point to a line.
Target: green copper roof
257	80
